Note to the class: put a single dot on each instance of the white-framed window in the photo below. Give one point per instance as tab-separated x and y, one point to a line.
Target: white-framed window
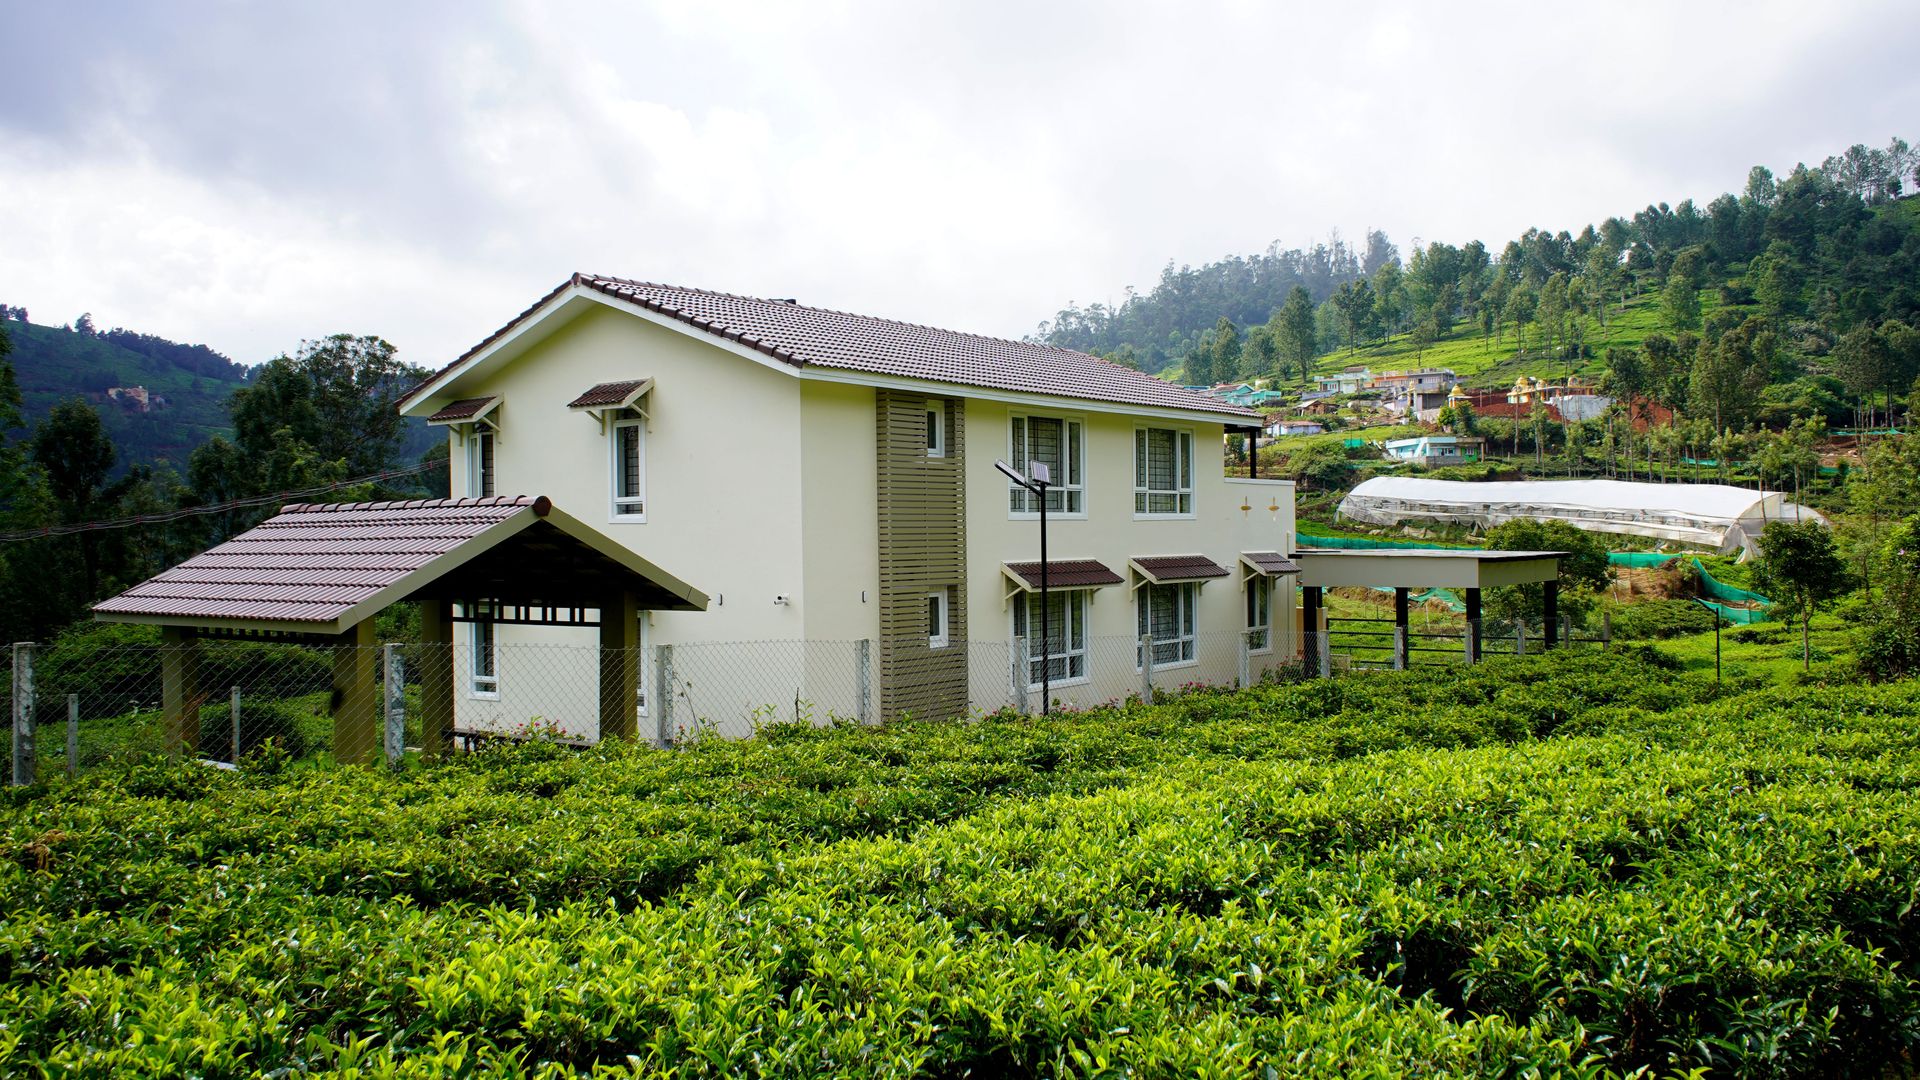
1066	654
1166	613
1059	443
485	644
936	429
1259	613
1162	472
628	470
479	463
939	615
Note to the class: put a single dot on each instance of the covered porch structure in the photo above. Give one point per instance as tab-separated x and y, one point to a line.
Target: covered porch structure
1406	569
318	574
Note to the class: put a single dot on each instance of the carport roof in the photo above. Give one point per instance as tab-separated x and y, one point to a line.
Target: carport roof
1431	568
323	568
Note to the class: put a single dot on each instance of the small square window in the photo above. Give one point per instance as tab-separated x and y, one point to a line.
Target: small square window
936	429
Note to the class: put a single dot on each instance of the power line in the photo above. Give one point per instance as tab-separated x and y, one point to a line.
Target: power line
184	513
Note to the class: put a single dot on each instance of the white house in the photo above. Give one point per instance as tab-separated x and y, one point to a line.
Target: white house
1435	449
828	479
1350	380
1279	427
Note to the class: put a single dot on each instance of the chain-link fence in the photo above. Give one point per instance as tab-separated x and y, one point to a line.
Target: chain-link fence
83	704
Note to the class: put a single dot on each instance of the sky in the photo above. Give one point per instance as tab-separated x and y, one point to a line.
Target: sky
249	175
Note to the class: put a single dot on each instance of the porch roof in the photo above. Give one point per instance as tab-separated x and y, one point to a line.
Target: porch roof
1427	568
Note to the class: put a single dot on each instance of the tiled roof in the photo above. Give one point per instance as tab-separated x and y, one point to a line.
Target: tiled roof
1065	574
606	393
1158	568
1270	562
807	337
313	562
460	410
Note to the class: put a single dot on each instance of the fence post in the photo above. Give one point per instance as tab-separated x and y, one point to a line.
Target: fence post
1606	627
864	654
1399	648
1146	668
233	714
73	735
1019	670
394	674
663	695
22	713
1519	639
1246	658
1326	655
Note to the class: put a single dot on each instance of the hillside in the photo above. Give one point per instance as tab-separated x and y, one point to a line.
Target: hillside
187	387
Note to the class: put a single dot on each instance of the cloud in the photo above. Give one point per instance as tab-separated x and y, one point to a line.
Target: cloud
249	175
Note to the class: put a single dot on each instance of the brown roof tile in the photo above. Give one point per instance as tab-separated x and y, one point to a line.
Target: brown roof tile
1065	574
460	410
606	393
314	561
1158	568
817	337
1270	562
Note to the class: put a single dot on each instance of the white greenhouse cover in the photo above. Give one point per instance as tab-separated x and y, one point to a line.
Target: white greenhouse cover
1713	515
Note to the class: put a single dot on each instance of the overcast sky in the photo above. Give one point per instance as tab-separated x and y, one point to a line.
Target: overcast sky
248	175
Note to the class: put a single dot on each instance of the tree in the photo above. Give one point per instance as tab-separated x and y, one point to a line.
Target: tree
75	455
1225	345
1800	568
1354	303
1298	338
1584	571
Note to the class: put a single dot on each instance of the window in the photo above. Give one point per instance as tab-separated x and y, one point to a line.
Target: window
1057	444
1162	472
1259	613
479	464
486	652
1166	613
1066	652
937	614
936	429
629	470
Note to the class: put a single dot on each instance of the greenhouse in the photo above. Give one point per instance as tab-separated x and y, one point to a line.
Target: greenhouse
1714	516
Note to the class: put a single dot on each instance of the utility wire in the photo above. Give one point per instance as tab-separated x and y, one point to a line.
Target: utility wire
184	513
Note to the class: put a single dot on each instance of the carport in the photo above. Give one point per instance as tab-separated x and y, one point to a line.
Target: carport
318	574
1406	569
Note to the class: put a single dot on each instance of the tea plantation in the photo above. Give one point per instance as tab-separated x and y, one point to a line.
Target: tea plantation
1569	865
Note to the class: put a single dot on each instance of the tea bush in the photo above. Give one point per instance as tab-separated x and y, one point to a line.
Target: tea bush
1572	864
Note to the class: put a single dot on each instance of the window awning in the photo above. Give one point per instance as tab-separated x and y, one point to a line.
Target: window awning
1160	569
1061	574
465	411
612	395
1271	563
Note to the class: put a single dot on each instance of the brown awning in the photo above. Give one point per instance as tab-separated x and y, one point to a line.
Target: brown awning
1062	574
1163	568
1268	562
611	395
465	411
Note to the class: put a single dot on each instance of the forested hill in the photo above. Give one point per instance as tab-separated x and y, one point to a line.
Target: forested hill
186	386
1819	243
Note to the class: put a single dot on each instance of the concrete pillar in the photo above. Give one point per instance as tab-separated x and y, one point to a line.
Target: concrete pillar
180	696
435	664
1551	604
1310	624
620	662
356	695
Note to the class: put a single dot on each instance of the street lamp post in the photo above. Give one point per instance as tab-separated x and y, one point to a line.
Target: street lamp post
1036	481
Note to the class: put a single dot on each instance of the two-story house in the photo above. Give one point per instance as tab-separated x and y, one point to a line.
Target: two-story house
828	479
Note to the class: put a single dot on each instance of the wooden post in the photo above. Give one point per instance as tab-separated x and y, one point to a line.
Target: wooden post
23	763
436	678
620	662
356	689
180	696
1400	628
1473	626
73	734
1550	603
394	677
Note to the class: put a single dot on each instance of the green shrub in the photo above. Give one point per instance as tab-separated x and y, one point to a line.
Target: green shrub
1659	619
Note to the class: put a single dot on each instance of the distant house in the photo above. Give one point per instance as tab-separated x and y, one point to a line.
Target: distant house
1278	428
135	398
1436	449
1422	379
1346	381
